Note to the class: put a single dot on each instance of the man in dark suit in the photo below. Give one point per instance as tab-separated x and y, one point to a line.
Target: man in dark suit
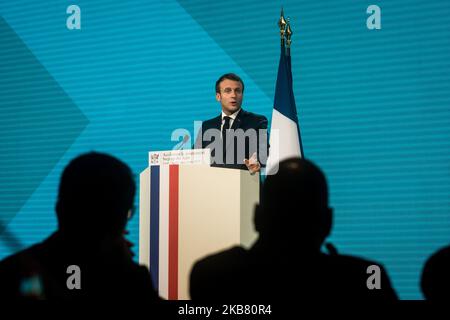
237	138
286	262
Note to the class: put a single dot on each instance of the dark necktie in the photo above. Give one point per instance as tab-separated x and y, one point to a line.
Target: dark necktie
225	126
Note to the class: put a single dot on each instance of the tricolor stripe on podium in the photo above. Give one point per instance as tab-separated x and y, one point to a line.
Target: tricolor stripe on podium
183	217
164	229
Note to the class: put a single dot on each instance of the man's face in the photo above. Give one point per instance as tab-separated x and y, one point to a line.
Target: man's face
230	96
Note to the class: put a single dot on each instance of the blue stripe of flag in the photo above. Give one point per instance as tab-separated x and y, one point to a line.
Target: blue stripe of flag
283	101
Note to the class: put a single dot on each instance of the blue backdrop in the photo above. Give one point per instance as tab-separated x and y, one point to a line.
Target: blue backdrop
373	105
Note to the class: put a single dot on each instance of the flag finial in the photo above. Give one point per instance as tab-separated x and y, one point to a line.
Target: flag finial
288	33
282	26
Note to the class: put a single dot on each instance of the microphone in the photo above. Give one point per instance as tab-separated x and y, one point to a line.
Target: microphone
182	143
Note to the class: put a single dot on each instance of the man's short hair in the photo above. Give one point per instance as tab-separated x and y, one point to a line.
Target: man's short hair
294	203
229	76
298	182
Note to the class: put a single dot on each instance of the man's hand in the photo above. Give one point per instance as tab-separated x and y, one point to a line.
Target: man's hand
252	164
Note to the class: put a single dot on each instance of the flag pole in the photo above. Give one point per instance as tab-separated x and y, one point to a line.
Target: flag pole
288	37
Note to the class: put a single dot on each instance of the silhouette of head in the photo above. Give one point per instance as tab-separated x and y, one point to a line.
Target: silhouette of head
95	196
294	206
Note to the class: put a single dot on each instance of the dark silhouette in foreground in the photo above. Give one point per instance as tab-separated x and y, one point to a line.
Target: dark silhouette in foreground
94	203
435	280
293	220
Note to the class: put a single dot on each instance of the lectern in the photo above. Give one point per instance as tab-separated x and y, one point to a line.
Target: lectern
187	211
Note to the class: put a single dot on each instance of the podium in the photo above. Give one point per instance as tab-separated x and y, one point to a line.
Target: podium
188	211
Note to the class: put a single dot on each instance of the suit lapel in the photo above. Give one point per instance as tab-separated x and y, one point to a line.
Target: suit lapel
218	122
213	123
237	121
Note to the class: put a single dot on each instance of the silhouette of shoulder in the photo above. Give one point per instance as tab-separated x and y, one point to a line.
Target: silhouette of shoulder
347	277
45	264
215	271
240	274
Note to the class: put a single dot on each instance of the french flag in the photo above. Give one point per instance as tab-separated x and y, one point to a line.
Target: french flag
285	139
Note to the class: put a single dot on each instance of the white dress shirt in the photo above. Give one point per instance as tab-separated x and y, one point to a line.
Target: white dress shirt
232	116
